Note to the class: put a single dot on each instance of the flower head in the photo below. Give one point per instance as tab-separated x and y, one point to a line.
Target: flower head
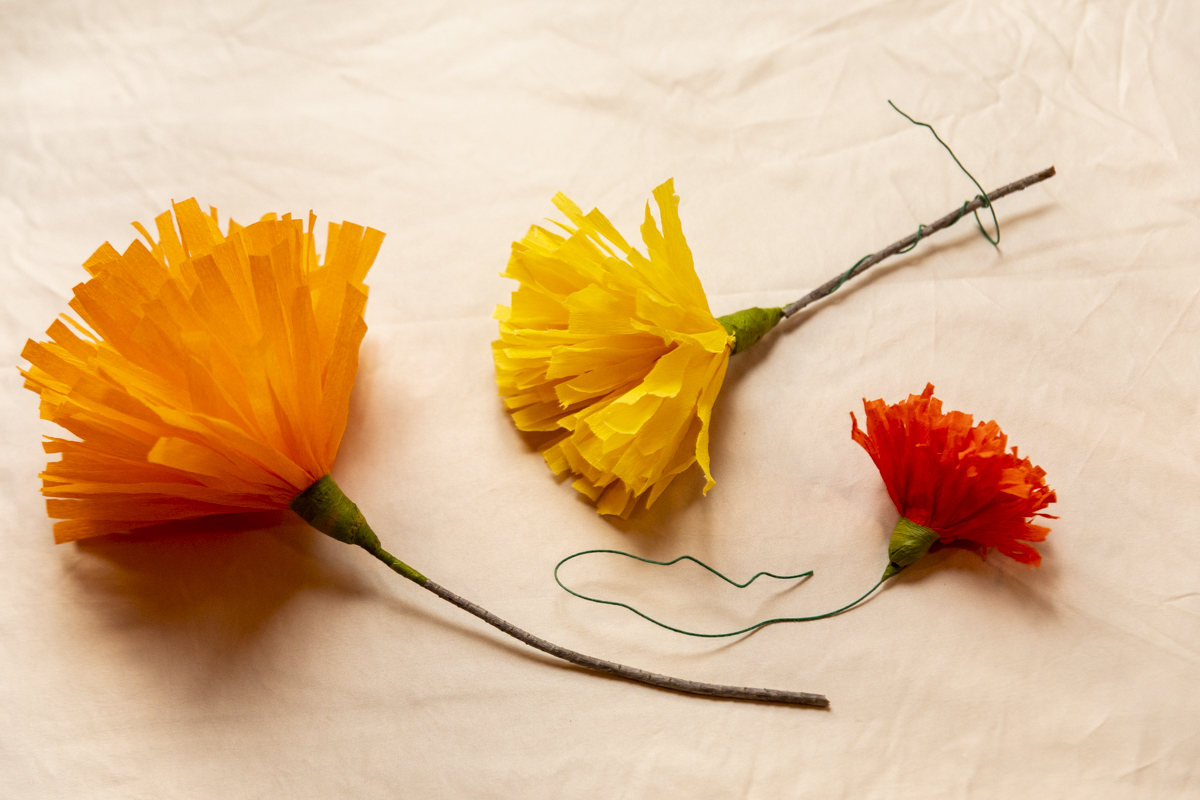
617	351
953	483
207	373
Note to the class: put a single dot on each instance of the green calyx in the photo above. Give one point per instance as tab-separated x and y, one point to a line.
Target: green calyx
909	543
324	506
749	325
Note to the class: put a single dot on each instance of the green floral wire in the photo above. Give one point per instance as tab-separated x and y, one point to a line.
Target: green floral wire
648	618
982	196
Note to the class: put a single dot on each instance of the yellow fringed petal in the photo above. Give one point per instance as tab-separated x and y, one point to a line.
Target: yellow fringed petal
209	374
616	349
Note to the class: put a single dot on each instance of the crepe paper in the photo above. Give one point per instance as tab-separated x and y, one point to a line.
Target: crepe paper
909	544
619	354
206	374
211	374
749	325
953	483
728	580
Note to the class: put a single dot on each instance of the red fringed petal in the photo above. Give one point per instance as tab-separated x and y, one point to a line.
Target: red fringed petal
946	473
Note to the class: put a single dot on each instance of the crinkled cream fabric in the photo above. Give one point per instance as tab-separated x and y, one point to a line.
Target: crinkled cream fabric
259	658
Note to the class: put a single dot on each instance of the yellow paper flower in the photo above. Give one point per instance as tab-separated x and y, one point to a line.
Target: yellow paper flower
209	373
617	350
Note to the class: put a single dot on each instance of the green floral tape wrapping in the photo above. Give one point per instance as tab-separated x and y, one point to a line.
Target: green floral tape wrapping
325	506
749	325
909	543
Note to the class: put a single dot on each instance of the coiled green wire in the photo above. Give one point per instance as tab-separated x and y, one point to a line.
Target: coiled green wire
730	581
921	228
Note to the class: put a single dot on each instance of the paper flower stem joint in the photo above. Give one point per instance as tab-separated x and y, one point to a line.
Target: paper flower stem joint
325	506
910	542
749	325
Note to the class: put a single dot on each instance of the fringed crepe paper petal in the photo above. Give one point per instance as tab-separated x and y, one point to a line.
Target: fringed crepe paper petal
616	350
205	374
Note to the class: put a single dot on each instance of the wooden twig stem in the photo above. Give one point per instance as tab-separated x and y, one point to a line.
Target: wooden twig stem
909	241
629	673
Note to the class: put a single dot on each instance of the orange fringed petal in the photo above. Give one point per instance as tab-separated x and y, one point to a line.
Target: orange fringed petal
617	352
206	374
945	473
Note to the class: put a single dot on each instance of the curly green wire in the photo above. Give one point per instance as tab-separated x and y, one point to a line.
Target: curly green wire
730	581
982	196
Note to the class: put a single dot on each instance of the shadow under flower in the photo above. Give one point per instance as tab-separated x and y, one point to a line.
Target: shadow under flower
999	580
220	580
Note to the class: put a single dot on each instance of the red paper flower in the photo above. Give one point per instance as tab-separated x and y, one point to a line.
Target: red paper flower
953	483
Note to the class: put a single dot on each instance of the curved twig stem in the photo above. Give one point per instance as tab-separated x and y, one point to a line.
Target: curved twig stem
599	664
911	240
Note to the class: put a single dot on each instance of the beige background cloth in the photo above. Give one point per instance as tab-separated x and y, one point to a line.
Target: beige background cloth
274	662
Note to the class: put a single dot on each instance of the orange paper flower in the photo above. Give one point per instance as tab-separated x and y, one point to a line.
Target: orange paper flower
953	483
209	373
